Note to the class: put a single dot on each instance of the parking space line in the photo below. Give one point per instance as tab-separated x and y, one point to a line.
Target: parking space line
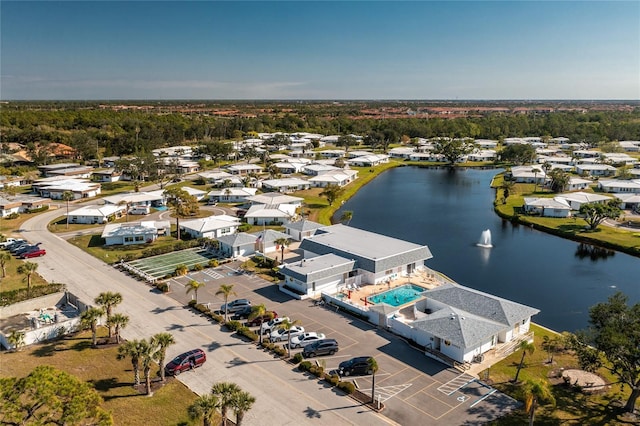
388	392
456	384
484	397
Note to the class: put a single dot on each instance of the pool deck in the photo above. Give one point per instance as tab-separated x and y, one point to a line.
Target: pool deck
422	279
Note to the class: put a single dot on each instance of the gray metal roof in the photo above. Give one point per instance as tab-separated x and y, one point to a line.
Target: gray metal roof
238	240
481	304
461	328
373	252
304	225
269	235
316	268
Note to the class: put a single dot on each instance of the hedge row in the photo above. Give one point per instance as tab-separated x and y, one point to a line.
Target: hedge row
19	295
232	325
180	245
333	379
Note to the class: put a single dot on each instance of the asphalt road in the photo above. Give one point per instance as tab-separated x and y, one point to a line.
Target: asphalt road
283	396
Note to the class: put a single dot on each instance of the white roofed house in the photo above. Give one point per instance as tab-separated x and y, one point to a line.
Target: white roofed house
576	184
197	193
338	177
547	207
268	214
401	152
134	233
316	169
576	199
623	186
629	201
275	198
286	167
210	227
528	174
96	214
368	160
54	187
595	170
231	195
482	155
108	175
286	185
630	146
243	169
215	177
137	199
459	323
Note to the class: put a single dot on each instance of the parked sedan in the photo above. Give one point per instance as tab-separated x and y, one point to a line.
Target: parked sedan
357	365
282	334
304	339
26	249
268	327
34	253
242	313
235	305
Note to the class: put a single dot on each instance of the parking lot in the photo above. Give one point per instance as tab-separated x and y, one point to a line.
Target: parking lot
414	388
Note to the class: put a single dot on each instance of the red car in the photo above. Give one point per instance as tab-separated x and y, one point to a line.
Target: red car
186	361
265	318
35	253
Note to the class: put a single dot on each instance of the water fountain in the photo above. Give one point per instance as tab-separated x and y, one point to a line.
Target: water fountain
485	239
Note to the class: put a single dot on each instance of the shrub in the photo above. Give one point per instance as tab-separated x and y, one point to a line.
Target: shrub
304	365
244	227
348	387
280	351
191	303
217	317
13	216
198	267
181	270
39	209
297	358
333	379
163	287
18	295
213	263
317	371
233	325
247	332
202	308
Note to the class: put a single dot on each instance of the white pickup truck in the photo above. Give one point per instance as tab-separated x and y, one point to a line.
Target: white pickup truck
9	241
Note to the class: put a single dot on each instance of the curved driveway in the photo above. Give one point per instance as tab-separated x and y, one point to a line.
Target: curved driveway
284	397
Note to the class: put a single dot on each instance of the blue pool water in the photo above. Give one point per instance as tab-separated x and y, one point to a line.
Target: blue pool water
398	296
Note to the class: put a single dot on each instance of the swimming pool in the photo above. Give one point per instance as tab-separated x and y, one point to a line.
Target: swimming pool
399	295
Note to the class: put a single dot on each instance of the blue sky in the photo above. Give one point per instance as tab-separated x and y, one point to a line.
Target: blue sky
320	50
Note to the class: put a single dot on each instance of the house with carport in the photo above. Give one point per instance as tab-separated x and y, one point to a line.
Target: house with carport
577	199
340	177
54	187
243	169
275	198
620	186
134	233
210	227
285	185
96	214
595	170
547	207
269	214
231	195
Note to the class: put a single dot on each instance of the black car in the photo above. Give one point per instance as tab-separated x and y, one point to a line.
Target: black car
321	347
357	365
242	313
14	247
26	249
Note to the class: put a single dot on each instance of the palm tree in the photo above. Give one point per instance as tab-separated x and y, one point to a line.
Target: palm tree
108	300
16	339
260	311
536	392
373	368
194	285
535	172
67	196
162	341
117	321
347	215
28	269
225	391
527	348
133	349
226	290
89	319
205	406
147	352
287	325
546	166
4	259
506	186
283	243
241	403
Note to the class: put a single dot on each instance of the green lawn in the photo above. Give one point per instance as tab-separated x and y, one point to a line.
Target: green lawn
94	245
13	280
572	407
112	378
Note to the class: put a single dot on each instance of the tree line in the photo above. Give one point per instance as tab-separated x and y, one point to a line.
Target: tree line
125	132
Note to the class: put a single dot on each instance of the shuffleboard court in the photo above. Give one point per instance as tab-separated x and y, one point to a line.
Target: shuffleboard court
162	265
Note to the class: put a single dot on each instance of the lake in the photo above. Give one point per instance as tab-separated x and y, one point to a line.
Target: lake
449	210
